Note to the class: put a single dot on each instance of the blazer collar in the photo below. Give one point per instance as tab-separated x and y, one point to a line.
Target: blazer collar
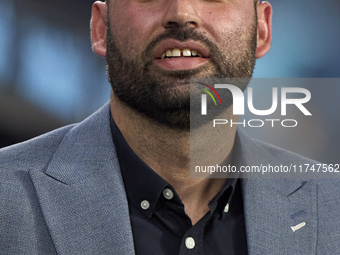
82	194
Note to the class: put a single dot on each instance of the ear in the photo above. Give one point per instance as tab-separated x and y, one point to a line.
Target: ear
264	28
98	28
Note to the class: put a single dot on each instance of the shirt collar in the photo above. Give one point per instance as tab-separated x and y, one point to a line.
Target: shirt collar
223	197
141	182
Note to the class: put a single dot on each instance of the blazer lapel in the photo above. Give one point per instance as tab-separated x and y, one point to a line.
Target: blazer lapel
280	214
278	223
81	192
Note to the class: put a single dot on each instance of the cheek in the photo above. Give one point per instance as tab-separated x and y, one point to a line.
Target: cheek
230	29
229	20
133	27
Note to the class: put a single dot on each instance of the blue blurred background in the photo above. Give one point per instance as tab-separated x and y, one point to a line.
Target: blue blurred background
49	76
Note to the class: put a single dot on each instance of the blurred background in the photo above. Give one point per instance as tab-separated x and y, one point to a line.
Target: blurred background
49	76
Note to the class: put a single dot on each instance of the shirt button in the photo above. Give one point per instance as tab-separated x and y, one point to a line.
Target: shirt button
226	208
145	204
168	194
190	243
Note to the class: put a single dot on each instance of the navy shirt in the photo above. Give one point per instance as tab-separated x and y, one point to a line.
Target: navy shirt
159	222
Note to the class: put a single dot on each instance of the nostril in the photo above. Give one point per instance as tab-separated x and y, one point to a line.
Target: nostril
190	23
172	24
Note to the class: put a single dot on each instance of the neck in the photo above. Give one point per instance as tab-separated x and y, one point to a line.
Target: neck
167	152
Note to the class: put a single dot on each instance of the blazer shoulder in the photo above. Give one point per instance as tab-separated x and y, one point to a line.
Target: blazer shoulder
37	153
30	154
328	188
286	156
282	155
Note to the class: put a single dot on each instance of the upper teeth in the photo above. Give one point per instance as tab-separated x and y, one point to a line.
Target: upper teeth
178	53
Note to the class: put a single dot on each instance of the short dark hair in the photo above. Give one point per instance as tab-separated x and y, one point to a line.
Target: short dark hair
107	1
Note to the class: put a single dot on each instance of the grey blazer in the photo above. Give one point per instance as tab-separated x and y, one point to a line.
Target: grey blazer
62	193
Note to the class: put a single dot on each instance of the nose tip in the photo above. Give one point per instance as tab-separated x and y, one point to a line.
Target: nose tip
181	13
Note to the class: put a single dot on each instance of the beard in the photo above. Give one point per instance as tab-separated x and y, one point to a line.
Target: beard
164	96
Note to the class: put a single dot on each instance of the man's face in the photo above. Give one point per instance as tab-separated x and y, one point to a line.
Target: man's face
203	39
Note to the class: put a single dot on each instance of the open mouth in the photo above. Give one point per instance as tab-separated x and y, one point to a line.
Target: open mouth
175	53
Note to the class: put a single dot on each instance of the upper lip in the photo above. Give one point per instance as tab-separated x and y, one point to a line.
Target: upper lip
170	44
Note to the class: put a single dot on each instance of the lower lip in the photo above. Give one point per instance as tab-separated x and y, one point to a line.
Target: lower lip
181	63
